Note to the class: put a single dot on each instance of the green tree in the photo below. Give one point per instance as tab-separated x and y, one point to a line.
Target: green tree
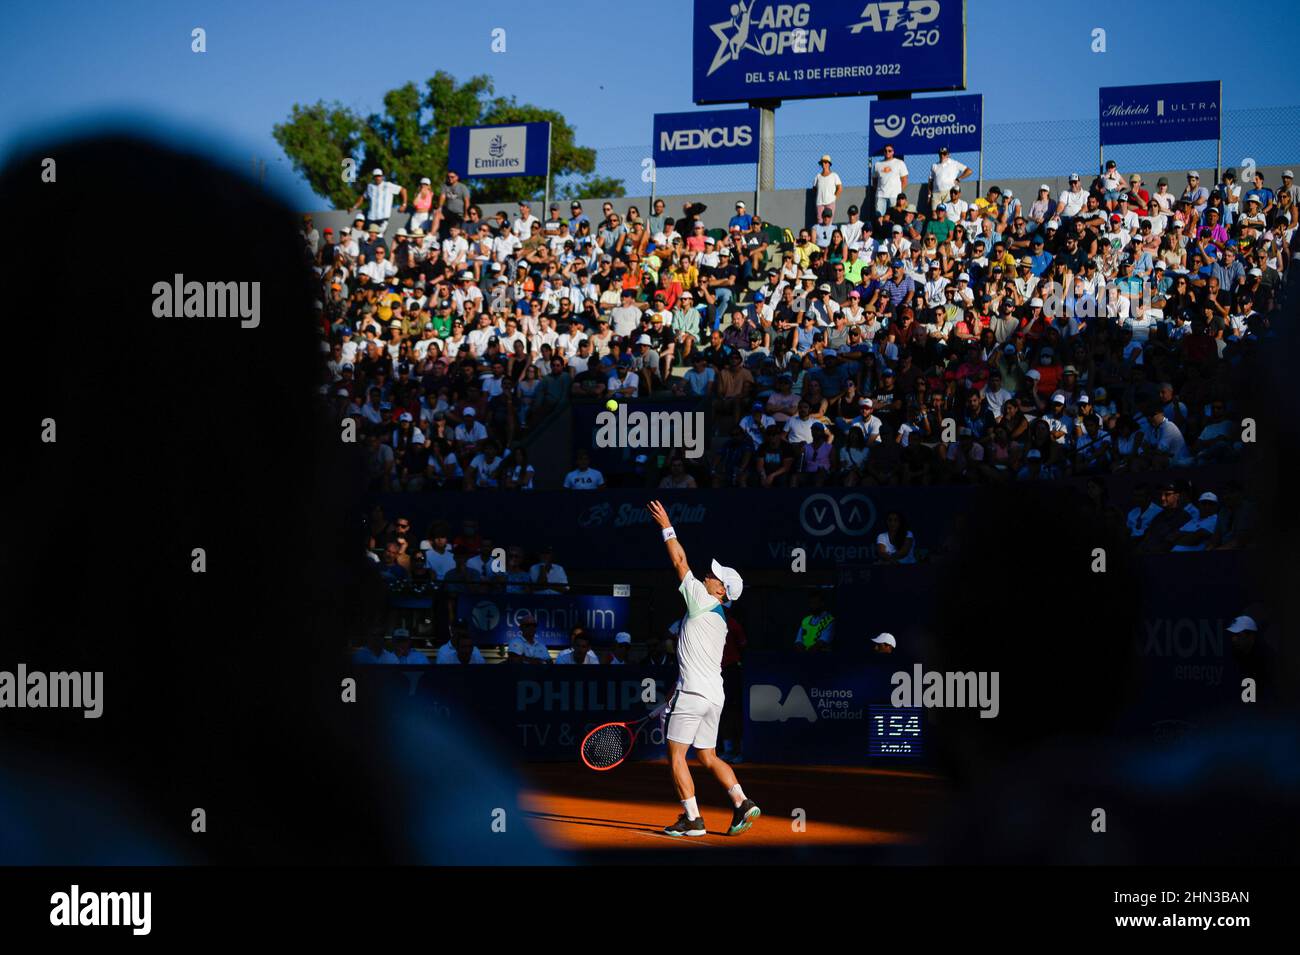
409	140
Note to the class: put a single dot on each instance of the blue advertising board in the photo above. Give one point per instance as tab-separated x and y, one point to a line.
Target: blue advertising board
510	149
1159	112
747	50
494	618
826	708
535	714
714	137
924	125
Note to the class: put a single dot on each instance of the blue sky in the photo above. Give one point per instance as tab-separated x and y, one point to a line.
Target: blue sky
65	64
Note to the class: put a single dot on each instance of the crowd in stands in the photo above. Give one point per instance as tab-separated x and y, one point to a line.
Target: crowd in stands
972	338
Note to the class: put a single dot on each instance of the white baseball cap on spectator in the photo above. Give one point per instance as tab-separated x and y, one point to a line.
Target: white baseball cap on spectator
1058	399
964	277
622	637
644	340
885	638
1209	497
376	171
1243	624
426	181
1074	177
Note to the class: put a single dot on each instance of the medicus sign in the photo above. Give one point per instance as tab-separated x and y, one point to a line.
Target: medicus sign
748	50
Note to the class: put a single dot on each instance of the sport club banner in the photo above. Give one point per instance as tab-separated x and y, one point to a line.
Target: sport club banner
483	152
1160	112
494	618
759	528
821	708
924	125
531	713
746	50
716	137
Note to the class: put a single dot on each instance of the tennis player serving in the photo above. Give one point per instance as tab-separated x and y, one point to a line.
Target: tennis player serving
695	709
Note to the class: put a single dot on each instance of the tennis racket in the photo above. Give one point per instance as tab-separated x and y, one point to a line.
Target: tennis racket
609	744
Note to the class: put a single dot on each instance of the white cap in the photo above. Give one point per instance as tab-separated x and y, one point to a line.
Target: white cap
401	633
1243	623
622	637
1193	174
1034	374
1058	398
426	181
644	340
1209	497
470	413
964	277
376	171
885	638
1035	302
740	205
730	579
1054	223
1046	187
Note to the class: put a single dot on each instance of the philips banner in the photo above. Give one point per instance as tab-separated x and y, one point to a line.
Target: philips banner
532	713
482	152
1160	112
716	137
746	50
493	618
923	125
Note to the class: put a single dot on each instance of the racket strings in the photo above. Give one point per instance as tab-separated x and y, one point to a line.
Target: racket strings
607	746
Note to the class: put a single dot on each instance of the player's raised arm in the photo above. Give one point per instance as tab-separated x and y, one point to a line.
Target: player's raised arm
675	552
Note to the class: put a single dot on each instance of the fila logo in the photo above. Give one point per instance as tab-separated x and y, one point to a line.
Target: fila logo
765	705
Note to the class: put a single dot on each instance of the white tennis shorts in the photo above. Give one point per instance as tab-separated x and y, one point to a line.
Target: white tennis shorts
694	720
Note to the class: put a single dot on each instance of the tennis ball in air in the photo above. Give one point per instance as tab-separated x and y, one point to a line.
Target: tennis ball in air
612	405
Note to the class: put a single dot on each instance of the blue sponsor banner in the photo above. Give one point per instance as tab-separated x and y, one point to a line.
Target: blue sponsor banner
1159	112
829	708
510	149
532	717
923	125
494	618
715	137
746	50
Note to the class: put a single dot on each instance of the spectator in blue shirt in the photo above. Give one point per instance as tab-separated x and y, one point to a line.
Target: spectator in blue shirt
1228	270
374	653
899	285
742	219
1041	258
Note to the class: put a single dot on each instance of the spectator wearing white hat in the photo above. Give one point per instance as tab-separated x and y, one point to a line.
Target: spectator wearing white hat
422	207
526	648
622	646
1255	658
884	643
945	174
1196	533
405	653
827	188
379	195
1071	202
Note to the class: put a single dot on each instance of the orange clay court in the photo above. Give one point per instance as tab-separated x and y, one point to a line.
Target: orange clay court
575	808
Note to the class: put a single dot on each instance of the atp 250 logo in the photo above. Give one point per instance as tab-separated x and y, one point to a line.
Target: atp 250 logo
888	16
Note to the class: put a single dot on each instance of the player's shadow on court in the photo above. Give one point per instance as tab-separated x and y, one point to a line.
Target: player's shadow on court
592	821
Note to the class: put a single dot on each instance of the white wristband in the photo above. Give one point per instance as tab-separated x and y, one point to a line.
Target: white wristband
669	534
